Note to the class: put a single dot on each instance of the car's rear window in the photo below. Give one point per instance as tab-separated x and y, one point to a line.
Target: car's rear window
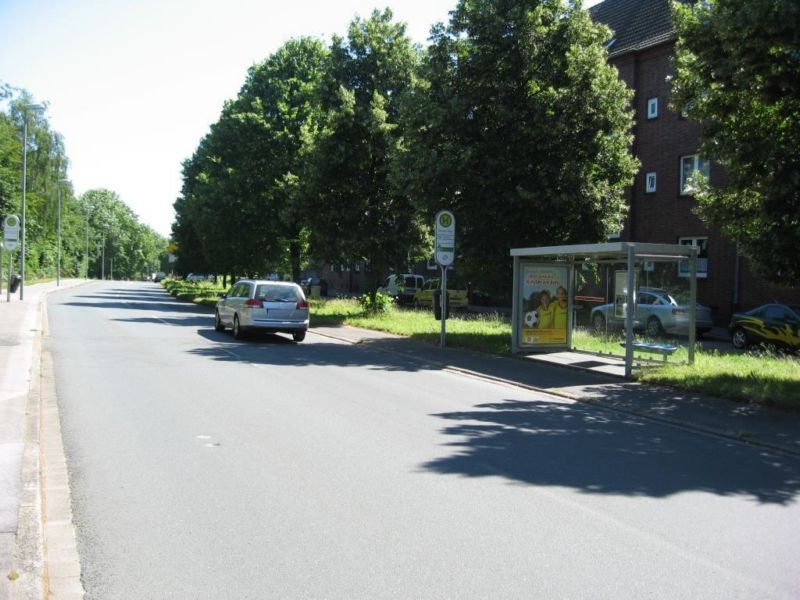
276	293
410	281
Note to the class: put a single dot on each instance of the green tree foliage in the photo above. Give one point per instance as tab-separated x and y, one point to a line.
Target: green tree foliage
46	167
355	212
520	127
737	70
136	248
132	249
280	101
243	193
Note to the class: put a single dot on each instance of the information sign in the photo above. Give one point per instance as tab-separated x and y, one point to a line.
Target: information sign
445	246
10	232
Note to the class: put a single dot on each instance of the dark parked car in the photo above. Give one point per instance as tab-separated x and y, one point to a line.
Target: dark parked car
310	282
775	324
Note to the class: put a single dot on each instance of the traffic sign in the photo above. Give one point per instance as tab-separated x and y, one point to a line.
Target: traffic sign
10	232
445	246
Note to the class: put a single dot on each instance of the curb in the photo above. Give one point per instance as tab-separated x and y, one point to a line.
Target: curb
46	551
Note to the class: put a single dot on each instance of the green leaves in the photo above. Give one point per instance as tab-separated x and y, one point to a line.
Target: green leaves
512	118
737	71
521	128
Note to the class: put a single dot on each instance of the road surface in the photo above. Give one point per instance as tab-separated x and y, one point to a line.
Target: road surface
204	467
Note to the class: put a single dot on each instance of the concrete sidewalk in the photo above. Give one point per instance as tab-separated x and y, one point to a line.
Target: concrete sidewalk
584	378
21	556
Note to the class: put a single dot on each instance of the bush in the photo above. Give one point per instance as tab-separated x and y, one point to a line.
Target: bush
383	303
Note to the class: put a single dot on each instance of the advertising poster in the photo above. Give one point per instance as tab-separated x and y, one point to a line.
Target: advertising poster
621	292
545	305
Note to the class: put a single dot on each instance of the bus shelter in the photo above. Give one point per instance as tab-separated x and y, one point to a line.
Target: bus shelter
544	290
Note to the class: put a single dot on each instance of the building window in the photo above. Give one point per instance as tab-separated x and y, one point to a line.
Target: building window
702	257
432	266
652	108
690	166
650	182
615	235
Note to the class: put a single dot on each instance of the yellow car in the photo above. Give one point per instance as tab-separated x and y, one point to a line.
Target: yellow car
455	291
771	324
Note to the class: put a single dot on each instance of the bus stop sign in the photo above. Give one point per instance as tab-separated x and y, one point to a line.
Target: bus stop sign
445	246
10	232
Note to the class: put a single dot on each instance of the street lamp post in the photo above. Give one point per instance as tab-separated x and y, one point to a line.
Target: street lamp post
86	252
23	223
103	259
58	243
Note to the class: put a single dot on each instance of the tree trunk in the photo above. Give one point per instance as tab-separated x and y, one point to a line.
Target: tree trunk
294	258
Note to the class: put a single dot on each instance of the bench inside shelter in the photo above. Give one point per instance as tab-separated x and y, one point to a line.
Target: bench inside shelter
662	349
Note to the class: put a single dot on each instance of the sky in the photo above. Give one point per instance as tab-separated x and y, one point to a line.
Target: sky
133	85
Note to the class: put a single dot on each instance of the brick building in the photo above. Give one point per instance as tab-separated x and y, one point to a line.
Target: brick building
660	202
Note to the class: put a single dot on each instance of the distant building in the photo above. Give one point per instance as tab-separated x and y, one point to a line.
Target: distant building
641	48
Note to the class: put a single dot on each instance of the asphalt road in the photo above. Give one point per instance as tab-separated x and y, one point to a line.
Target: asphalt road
202	467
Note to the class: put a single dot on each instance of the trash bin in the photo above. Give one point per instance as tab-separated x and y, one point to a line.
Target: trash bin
437	309
315	291
13	284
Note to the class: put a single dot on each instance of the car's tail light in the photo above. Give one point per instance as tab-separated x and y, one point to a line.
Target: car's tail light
253	303
301	304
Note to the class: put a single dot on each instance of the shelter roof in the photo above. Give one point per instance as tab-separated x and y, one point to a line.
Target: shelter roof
609	251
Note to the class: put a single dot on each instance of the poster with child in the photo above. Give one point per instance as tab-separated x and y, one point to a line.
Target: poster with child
545	304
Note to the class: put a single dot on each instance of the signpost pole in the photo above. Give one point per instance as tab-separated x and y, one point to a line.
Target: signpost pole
444	254
10	267
443	307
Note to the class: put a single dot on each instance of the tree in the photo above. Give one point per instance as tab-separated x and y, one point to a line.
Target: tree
737	72
243	192
521	128
355	212
282	103
133	247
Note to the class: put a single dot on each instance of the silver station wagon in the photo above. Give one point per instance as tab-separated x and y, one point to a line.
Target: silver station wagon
656	313
267	306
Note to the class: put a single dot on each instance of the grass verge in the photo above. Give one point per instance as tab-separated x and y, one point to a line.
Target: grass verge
753	377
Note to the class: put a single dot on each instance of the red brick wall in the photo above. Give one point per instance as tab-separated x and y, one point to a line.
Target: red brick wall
664	215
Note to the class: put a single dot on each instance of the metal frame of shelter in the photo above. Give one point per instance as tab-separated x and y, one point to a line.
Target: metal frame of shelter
616	252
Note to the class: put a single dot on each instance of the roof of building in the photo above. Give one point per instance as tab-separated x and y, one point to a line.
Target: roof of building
636	24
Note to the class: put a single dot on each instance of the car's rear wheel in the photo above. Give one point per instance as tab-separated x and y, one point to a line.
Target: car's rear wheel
599	323
739	339
238	333
299	336
218	322
654	328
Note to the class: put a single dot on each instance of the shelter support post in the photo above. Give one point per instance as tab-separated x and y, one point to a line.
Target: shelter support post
515	308
692	303
630	311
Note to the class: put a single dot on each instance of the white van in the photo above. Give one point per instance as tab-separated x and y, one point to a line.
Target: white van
402	287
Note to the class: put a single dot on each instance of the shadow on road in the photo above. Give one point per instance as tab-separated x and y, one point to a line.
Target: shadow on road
577	446
535	442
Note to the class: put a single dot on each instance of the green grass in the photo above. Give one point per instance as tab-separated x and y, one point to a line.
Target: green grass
490	334
755	377
770	379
